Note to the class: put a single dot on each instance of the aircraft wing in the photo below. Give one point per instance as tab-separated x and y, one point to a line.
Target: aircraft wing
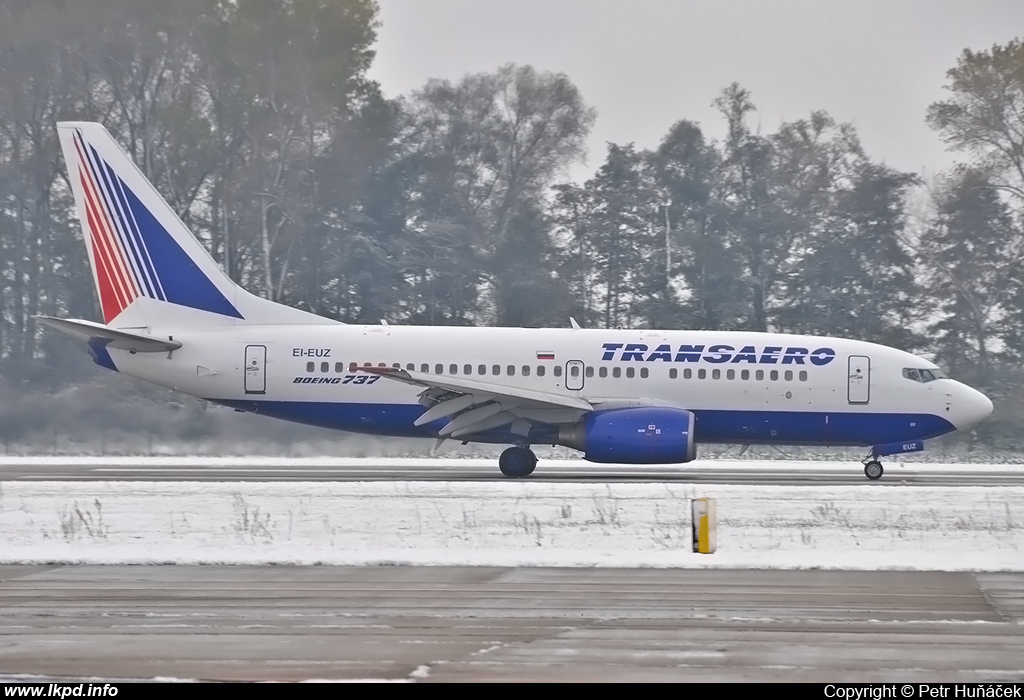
482	405
124	340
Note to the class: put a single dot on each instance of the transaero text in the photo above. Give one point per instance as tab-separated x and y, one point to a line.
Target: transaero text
718	354
923	690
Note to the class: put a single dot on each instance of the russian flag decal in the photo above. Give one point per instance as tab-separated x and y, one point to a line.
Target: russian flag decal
545	355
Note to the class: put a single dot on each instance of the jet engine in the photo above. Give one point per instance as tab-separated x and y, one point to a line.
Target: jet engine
643	435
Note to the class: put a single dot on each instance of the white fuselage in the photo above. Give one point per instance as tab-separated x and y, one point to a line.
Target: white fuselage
784	389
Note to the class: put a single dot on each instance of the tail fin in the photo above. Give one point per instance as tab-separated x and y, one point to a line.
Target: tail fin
146	264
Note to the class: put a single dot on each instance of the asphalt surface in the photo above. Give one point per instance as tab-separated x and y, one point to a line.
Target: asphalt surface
268	470
508	624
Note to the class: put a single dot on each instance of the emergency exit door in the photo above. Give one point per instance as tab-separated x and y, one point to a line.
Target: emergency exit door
255	369
574	375
858	388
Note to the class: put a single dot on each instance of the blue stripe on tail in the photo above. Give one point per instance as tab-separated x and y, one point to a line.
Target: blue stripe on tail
177	275
119	207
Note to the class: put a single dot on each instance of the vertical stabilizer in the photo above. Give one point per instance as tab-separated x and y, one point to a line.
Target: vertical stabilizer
147	265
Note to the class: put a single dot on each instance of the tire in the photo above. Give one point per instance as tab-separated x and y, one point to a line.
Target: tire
873	470
516	462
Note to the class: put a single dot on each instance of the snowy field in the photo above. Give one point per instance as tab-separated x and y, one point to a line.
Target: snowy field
514	523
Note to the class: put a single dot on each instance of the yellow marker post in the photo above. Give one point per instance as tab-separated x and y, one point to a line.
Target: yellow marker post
705	525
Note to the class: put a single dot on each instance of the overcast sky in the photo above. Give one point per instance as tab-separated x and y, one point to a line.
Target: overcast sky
645	64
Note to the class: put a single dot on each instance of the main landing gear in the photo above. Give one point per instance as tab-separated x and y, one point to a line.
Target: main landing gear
517	462
873	469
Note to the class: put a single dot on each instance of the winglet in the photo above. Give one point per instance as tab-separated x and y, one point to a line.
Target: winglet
575	326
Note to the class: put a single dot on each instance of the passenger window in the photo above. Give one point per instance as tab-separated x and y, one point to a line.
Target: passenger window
526	370
438	369
759	375
574	371
687	373
589	371
453	369
702	374
603	372
644	372
745	375
616	372
325	366
410	367
352	366
716	374
310	366
558	370
673	373
397	365
630	373
511	370
495	370
774	375
730	374
803	375
468	369
339	367
424	368
481	369
789	375
540	370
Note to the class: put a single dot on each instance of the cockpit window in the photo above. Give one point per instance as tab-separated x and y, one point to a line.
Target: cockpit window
923	375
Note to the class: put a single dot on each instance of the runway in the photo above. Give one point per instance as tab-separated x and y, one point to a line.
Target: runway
707	472
509	624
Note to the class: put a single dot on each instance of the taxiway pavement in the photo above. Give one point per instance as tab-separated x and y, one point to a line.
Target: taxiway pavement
508	624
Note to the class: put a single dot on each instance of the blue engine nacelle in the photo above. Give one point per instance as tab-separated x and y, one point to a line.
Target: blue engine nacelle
645	435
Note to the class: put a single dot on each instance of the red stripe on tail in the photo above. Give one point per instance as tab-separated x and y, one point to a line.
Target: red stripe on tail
120	266
112	298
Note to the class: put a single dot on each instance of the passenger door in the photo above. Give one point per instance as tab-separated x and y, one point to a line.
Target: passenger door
858	388
255	369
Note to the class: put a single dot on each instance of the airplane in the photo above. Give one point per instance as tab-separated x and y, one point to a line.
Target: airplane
173	317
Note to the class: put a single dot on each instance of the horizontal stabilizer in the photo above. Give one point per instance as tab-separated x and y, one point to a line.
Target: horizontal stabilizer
122	340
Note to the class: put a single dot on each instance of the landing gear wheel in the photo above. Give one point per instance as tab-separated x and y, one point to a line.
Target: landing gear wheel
517	462
873	470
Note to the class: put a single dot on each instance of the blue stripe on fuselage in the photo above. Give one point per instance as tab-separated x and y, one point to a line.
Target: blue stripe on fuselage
757	427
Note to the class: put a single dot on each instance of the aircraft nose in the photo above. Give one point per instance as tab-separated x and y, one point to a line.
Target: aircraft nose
975	406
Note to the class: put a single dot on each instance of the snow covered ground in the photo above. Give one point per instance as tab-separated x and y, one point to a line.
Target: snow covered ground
514	523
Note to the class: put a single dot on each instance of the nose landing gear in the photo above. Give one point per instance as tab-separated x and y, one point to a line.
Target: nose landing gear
873	469
517	462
